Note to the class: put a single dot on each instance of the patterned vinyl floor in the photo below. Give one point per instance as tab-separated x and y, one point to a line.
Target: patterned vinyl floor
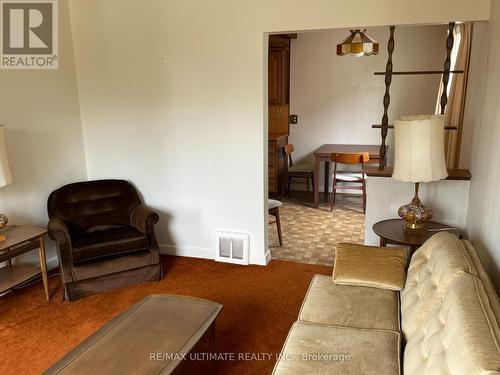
310	234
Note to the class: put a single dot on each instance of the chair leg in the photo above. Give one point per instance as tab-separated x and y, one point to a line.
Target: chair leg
364	196
312	179
286	180
283	188
278	226
334	192
308	186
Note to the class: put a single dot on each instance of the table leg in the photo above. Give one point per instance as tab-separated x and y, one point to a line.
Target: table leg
383	243
9	261
327	179
316	181
43	266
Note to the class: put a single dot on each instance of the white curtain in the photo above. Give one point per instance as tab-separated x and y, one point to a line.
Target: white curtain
457	87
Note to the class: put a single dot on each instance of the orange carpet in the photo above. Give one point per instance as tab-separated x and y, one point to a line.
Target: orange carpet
260	305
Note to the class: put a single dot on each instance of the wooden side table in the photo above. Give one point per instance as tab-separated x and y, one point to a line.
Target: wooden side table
393	231
19	240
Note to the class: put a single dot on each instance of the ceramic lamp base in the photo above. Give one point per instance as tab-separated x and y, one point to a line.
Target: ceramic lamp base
415	214
3	223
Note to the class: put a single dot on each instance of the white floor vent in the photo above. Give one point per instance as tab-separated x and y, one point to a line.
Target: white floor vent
232	247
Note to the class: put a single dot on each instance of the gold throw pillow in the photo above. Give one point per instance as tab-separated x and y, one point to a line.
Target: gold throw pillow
377	267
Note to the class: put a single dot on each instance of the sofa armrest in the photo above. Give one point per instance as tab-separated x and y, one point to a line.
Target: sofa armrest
58	231
143	219
378	267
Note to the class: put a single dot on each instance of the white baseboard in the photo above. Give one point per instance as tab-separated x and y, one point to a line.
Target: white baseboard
261	260
187	251
207	253
183	251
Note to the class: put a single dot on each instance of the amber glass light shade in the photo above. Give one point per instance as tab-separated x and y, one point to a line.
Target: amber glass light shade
358	44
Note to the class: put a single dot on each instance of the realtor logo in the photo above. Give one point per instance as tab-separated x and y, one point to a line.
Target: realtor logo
28	34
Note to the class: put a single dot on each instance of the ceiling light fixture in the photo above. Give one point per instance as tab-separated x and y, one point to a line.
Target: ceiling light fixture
358	44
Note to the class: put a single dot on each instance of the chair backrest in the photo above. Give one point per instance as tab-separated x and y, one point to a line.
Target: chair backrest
93	205
287	153
351	158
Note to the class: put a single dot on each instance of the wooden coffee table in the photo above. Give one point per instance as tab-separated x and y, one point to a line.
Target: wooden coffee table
161	334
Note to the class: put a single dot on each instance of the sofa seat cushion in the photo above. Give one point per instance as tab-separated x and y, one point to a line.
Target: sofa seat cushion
104	243
320	349
350	306
461	338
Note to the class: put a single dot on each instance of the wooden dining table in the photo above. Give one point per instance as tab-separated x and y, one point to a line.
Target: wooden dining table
324	154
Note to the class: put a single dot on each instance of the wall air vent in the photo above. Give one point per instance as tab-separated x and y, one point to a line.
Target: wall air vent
232	247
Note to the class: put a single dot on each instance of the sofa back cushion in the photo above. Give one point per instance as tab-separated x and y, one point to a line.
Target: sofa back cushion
93	205
461	337
485	280
432	270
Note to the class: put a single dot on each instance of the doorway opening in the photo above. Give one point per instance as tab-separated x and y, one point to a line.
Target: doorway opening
321	104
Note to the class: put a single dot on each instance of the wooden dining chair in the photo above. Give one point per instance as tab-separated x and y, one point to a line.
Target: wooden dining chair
274	210
350	180
301	170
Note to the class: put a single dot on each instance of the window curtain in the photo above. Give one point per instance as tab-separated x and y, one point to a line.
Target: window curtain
457	88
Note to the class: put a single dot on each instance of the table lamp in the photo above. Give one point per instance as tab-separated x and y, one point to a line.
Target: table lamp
419	157
5	176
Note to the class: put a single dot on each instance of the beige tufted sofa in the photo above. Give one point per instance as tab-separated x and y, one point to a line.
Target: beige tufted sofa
445	321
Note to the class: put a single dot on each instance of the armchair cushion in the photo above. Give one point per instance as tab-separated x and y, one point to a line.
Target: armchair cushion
105	243
378	267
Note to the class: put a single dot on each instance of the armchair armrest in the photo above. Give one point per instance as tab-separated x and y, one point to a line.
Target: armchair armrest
143	219
372	266
58	231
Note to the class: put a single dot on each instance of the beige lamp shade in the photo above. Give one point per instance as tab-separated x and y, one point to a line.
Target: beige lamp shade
419	148
5	176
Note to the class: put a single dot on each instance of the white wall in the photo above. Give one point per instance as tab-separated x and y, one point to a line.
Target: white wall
173	96
483	221
44	138
448	200
337	98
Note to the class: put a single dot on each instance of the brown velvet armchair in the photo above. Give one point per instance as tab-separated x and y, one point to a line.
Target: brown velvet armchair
105	237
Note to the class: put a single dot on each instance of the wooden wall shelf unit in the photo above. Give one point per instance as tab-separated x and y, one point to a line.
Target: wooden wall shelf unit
418	72
389	73
276	161
378	126
453	174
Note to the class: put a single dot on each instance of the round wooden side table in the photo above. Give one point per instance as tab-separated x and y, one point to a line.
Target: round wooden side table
393	231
